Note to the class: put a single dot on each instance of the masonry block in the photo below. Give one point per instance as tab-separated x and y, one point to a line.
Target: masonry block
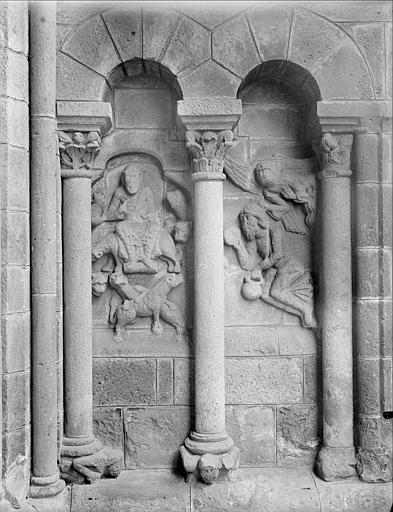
16	400
158	27
298	435
188	47
15	126
372	273
16	286
366	157
15	168
312	379
92	45
125	27
251	341
260	121
108	426
16	336
17	239
14	75
386	324
387	215
17	15
164	381
271	26
234	46
16	445
144	108
212	14
209	79
293	340
153	436
367	314
124	381
388	46
184	380
253	430
367	213
387	383
264	380
369	386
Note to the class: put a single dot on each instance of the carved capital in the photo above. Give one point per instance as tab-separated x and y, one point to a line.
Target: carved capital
208	149
77	152
335	155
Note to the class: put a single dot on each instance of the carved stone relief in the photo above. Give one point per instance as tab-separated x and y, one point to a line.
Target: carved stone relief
285	190
138	244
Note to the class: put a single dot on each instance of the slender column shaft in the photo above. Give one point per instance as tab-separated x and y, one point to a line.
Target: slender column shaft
209	306
45	478
337	313
77	308
336	459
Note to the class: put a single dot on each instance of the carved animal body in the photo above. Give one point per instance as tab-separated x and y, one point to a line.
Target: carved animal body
149	302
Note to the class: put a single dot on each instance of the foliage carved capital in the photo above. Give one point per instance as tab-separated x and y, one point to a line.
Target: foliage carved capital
208	149
78	151
335	155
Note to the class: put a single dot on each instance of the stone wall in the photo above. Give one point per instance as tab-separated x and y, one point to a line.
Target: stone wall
143	386
15	248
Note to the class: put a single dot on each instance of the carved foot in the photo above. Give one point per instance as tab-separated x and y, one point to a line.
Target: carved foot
336	463
374	465
107	462
156	328
210	467
118	336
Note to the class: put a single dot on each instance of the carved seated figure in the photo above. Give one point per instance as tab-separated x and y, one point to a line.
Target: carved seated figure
139	243
275	278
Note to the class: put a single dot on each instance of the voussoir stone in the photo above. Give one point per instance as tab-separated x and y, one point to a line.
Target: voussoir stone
125	27
209	79
188	47
234	46
158	27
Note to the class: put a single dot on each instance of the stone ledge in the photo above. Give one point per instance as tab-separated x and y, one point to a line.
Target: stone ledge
267	489
92	116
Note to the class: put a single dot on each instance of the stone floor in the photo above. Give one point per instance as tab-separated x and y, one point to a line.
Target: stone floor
256	490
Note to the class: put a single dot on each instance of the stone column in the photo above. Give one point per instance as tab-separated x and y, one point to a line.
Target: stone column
79	143
45	477
208	449
336	459
373	299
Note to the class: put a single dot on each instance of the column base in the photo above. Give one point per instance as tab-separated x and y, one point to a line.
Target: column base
87	462
336	463
45	486
211	457
374	465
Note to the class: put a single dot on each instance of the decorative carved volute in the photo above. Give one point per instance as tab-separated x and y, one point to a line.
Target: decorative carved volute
335	155
208	149
78	150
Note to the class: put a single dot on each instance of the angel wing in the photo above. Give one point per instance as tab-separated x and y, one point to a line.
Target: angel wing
241	174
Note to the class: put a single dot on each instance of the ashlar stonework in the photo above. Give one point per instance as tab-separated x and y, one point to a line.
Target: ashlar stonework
196	256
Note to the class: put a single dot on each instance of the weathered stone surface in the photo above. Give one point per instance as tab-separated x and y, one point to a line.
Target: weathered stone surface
298	435
251	341
108	426
263	380
355	11
91	45
165	381
124	381
16	482
386	321
388	71
16	445
234	46
370	38
366	157
387	215
158	27
77	82
184	380
253	430
17	239
14	163
387	399
15	129
16	397
17	34
271	26
367	328
374	280
141	108
211	15
353	82
261	121
125	27
209	79
139	343
312	379
16	332
17	283
13	74
367	197
270	490
134	491
189	46
153	436
296	340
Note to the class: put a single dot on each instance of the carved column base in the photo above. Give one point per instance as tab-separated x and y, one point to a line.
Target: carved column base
210	457
336	463
46	486
374	465
88	462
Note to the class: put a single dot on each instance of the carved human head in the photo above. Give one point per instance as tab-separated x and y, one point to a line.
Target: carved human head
99	281
132	177
209	468
182	231
252	218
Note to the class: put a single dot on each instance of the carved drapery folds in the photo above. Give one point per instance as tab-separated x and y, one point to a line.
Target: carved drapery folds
208	149
285	191
138	247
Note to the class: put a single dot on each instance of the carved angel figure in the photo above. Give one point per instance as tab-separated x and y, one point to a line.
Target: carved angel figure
275	278
285	183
